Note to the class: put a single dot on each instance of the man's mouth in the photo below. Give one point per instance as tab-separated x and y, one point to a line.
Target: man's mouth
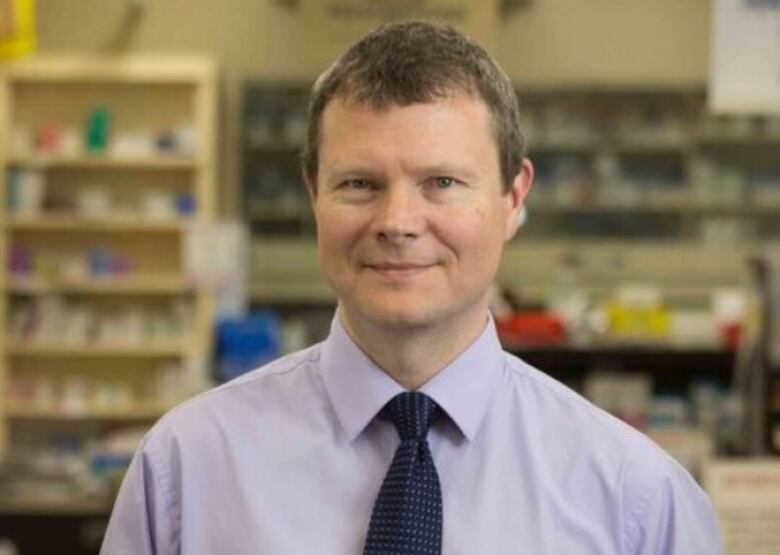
398	270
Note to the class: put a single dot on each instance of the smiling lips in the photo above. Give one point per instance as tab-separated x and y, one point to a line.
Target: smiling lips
398	270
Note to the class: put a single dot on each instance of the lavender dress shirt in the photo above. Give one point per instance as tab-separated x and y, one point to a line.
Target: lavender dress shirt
288	459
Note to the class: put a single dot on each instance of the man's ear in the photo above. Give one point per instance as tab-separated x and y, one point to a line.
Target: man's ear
311	186
515	197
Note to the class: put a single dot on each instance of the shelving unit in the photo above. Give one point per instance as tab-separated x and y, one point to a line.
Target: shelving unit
611	164
99	320
274	199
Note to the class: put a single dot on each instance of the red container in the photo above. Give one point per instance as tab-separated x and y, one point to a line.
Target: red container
531	328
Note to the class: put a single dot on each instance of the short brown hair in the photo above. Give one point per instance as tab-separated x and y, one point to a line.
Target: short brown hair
407	63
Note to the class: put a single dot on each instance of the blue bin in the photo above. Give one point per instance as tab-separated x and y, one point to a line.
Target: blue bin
246	343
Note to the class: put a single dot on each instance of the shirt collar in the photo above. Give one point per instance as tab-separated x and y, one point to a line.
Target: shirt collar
359	389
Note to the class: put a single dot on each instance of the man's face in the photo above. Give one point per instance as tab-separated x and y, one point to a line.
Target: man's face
410	209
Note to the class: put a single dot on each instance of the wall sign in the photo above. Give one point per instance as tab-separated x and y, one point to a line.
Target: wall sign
745	64
746	497
333	25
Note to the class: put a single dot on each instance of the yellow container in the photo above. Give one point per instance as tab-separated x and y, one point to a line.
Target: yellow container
17	28
638	322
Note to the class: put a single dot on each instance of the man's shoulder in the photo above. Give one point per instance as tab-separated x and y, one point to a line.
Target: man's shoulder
272	372
577	447
249	397
562	416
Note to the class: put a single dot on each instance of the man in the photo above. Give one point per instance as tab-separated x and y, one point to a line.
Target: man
408	430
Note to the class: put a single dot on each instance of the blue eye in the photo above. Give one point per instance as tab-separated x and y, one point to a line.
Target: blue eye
359	184
444	182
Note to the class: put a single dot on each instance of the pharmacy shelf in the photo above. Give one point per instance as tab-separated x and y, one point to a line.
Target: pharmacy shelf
154	349
129	285
107	162
678	209
73	223
672	367
146	97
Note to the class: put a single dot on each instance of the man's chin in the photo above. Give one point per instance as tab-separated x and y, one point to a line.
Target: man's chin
400	319
396	317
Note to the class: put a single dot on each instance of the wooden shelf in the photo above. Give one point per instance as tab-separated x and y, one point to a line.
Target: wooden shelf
141	69
34	505
74	223
136	350
99	161
133	414
129	285
145	98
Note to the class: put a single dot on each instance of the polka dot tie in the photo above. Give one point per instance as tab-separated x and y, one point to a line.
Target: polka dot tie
407	514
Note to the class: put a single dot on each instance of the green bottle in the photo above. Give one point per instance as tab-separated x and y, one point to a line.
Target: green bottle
98	128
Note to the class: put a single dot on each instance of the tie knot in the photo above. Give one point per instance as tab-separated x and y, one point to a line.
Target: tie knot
412	413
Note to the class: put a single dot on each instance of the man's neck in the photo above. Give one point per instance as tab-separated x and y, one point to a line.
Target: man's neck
413	355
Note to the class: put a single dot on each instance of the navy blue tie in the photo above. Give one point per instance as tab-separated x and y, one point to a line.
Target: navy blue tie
407	514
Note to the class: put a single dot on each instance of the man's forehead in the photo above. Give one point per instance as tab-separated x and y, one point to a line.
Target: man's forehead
354	132
380	104
350	107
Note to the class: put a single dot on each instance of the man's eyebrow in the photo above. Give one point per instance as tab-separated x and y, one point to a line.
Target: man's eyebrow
350	172
445	169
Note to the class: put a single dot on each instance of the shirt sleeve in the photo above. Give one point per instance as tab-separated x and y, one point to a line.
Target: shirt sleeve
144	518
675	518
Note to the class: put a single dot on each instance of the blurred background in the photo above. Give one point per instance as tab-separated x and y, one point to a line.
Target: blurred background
157	238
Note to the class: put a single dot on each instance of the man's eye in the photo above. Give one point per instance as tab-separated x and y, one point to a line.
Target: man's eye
359	184
444	182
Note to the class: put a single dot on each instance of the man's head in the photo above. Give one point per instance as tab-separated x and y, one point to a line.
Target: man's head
408	63
414	195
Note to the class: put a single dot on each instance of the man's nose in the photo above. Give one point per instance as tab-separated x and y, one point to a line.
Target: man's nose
400	215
